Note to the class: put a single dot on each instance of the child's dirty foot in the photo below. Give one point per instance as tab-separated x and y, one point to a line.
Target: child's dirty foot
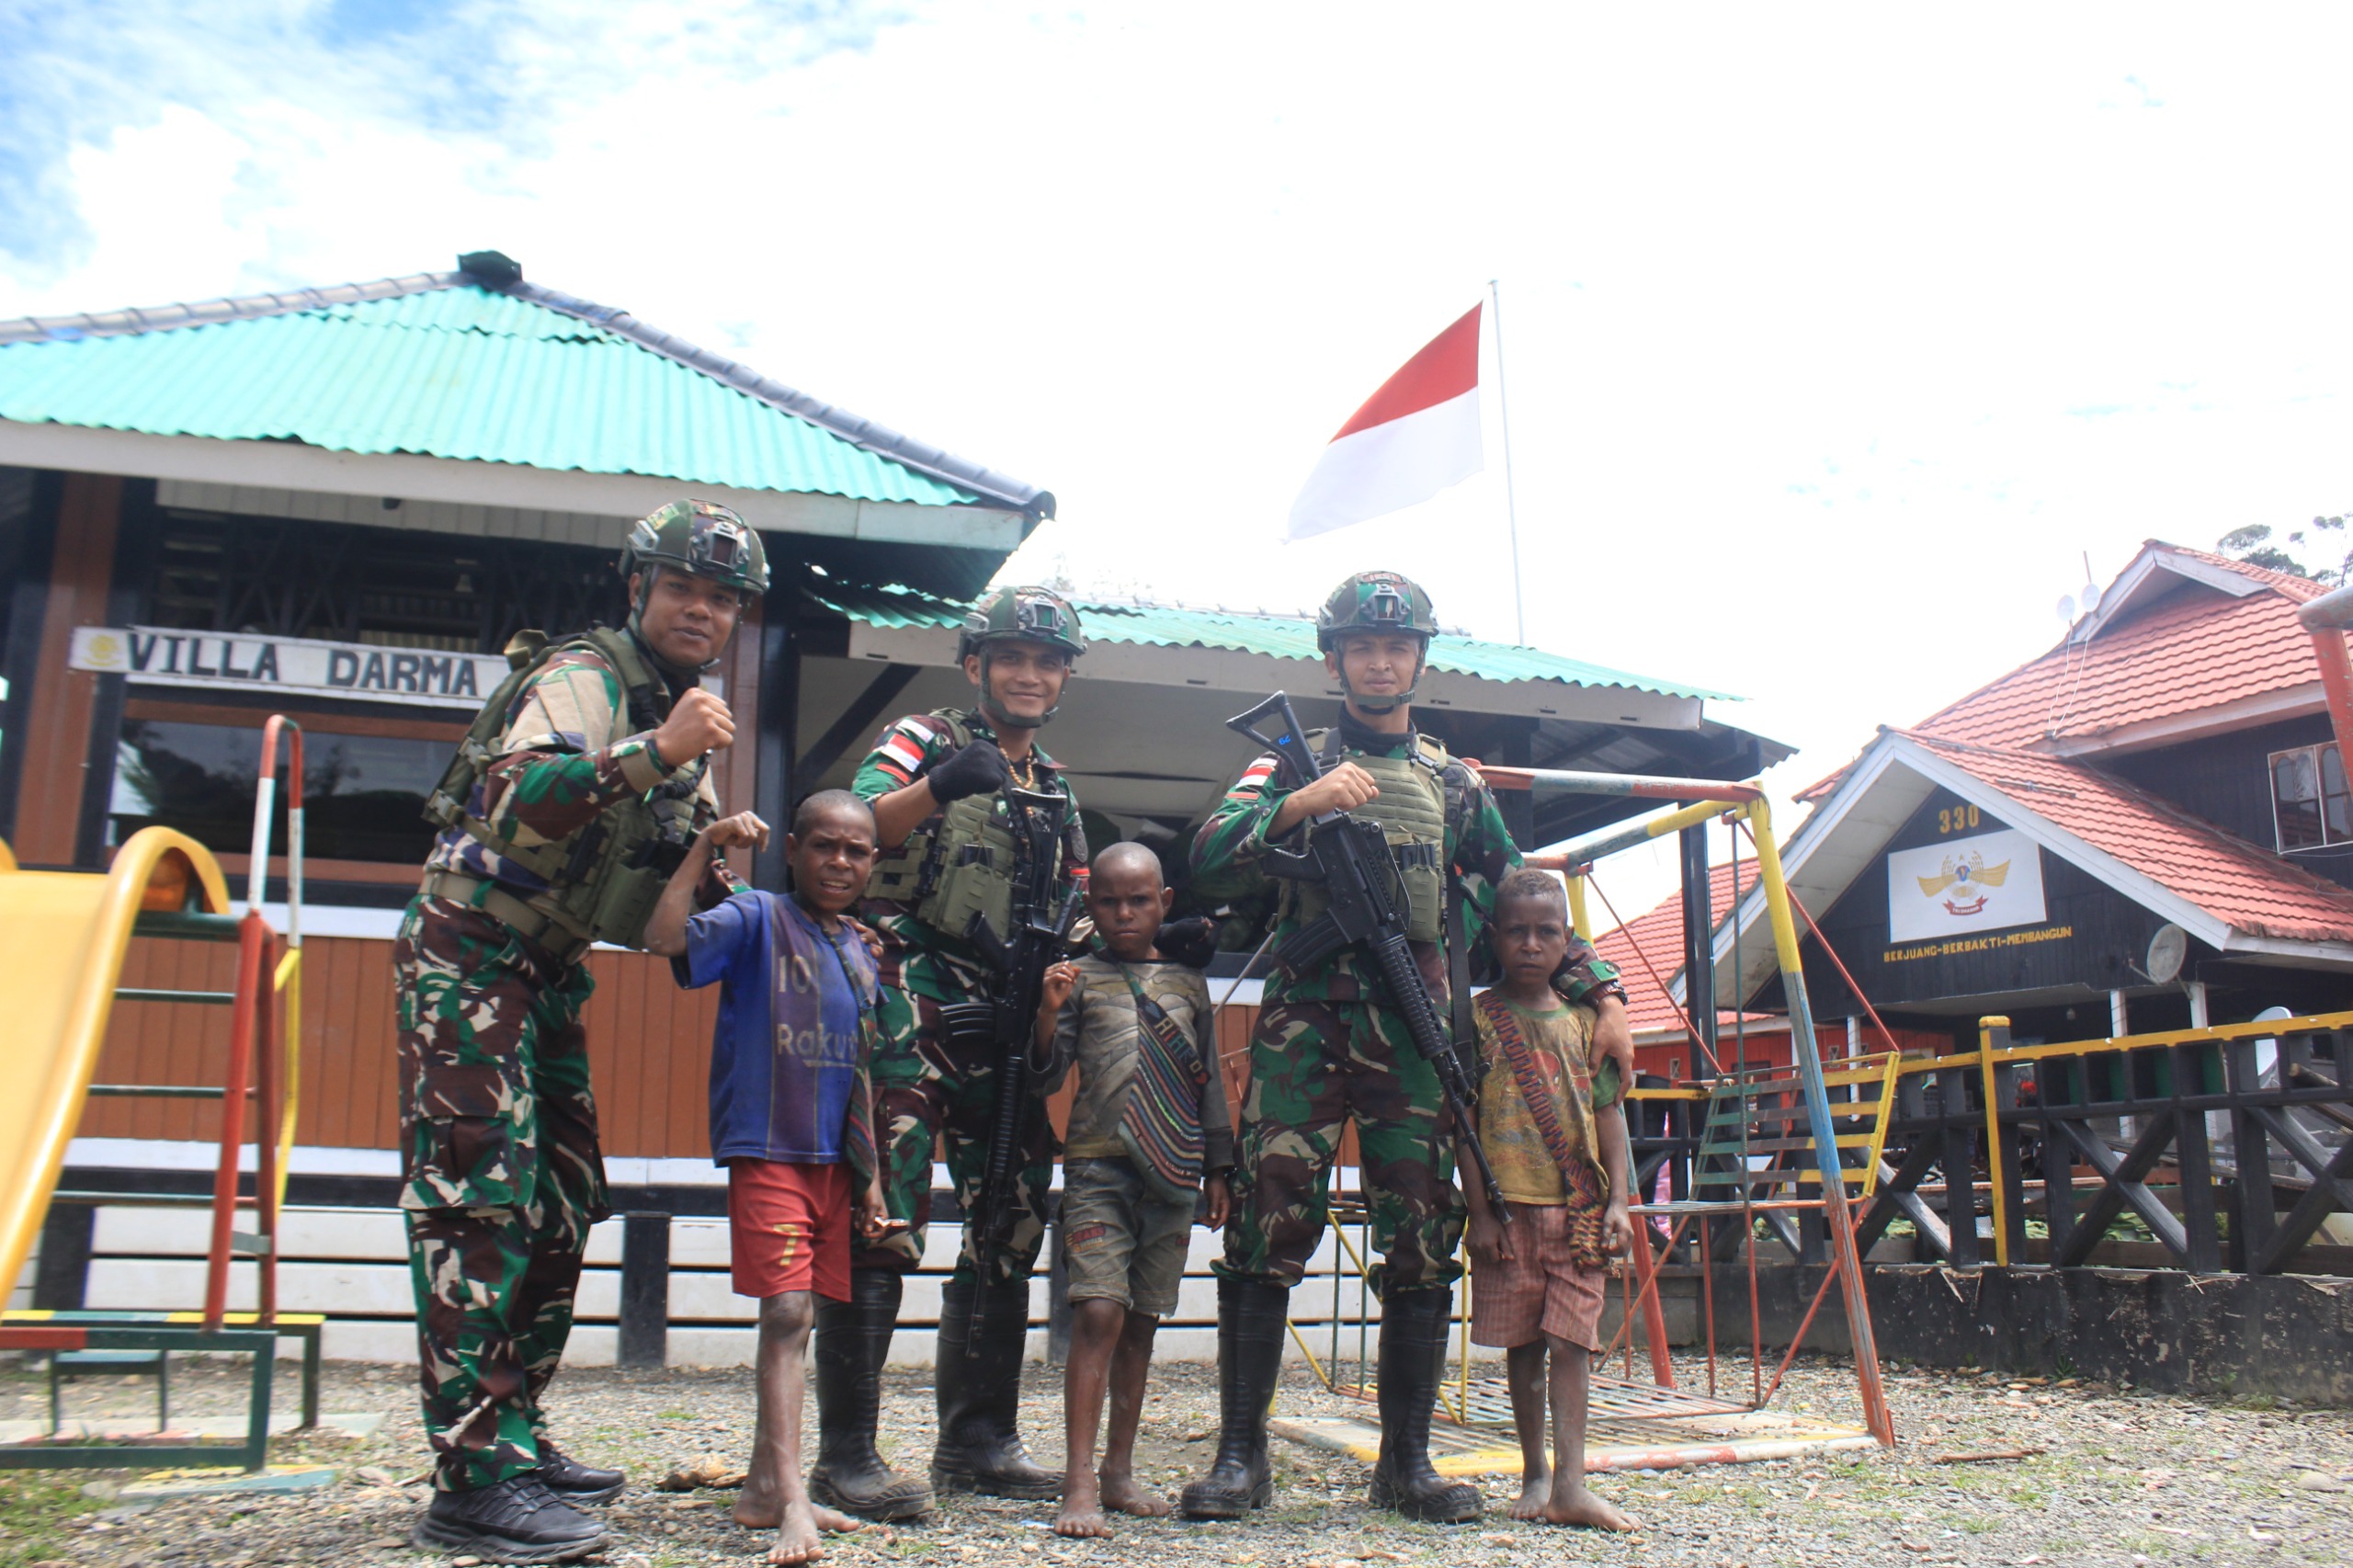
1082	1515
1535	1492
796	1538
833	1520
1576	1506
758	1506
1121	1491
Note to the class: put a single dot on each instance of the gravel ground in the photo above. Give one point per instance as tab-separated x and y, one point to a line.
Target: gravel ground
2128	1479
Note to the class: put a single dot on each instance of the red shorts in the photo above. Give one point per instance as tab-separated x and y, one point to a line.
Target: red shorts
789	1228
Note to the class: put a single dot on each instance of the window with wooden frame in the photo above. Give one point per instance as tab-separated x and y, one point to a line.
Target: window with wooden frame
194	766
2310	807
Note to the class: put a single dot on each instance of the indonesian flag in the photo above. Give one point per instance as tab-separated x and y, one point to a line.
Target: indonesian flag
1415	436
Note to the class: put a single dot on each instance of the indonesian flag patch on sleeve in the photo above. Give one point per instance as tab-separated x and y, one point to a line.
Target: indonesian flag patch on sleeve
901	750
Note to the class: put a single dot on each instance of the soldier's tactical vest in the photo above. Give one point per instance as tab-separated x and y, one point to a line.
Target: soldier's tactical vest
1411	810
957	863
603	880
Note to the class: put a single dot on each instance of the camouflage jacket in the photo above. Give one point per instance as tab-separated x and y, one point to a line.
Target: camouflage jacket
561	762
1479	851
931	962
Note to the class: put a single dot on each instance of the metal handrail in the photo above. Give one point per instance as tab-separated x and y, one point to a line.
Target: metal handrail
286	978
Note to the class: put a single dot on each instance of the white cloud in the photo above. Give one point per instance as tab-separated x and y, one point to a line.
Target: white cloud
1837	336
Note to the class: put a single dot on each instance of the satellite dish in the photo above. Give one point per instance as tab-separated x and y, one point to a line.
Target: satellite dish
2167	949
2066	609
2089	599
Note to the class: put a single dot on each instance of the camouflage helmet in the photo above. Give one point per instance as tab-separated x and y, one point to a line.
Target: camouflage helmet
1378	602
1031	615
702	539
1375	601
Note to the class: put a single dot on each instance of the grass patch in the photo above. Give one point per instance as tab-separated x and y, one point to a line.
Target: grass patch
37	1510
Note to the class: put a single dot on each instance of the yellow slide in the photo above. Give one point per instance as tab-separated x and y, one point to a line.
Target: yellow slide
63	936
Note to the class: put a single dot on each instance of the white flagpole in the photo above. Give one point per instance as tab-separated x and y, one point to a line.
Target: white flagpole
1511	500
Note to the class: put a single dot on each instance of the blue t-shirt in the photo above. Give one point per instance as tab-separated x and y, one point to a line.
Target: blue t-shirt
784	1057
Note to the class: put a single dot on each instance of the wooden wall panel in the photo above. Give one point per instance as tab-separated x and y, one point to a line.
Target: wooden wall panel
153	1043
57	738
376	1120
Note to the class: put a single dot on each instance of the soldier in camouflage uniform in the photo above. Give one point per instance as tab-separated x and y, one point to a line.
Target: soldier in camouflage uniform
1330	1047
937	784
571	799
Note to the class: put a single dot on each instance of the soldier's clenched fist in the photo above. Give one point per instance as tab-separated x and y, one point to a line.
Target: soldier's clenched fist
698	723
1344	788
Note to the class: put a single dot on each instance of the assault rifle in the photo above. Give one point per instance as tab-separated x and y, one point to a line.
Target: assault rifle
1350	858
1040	937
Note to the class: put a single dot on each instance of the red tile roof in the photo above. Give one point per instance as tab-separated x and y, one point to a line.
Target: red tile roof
2249	889
2197	648
1657	935
2194	650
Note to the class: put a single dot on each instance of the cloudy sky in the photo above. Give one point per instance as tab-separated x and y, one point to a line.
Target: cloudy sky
1838	337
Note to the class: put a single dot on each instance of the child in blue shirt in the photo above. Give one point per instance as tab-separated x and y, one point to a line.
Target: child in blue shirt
790	1109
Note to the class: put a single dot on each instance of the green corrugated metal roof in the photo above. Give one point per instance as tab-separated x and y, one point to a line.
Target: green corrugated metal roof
448	371
1282	638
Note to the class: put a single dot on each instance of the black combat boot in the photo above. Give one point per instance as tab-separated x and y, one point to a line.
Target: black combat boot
853	1343
518	1520
1251	1314
1413	1363
575	1483
979	1380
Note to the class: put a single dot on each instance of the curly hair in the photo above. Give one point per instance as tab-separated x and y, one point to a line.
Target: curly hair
1529	882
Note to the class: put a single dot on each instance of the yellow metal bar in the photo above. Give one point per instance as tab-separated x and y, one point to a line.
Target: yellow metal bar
1354	1257
1312	1364
2312	1024
1577	916
1985	1027
1777	905
1462	1383
1847	1260
290	985
1888	1081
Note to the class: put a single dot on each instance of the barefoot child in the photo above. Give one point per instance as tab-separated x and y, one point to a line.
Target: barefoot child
1556	1130
1148	1134
790	1109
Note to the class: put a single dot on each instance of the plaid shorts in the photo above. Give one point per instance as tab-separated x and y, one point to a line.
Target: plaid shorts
1542	1291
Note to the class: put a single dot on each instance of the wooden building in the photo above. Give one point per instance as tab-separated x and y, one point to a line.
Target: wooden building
2146	828
339	503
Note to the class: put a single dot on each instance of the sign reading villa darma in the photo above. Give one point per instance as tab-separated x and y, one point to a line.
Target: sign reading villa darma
148	655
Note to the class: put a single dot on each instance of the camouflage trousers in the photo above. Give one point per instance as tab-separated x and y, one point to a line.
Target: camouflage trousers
926	1090
1313	1067
503	1177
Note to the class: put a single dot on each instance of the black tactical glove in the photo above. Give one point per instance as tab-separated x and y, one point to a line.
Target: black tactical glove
978	769
1191	942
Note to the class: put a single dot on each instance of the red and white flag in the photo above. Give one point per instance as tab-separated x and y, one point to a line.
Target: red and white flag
1415	436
